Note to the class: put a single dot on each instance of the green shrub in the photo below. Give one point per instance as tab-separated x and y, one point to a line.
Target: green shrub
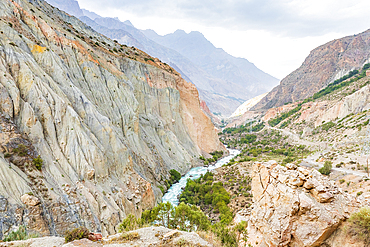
20	234
130	236
326	169
21	150
342	181
37	162
76	234
129	223
339	165
360	224
226	235
161	188
241	229
175	176
183	217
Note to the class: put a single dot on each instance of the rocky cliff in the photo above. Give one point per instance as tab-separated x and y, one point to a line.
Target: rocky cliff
89	127
294	206
324	65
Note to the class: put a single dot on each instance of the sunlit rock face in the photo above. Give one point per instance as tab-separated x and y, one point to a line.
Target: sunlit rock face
294	206
108	122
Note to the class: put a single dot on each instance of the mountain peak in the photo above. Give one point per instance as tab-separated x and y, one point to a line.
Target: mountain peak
90	14
178	32
127	22
70	6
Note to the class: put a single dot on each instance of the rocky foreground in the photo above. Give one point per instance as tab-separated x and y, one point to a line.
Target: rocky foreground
150	236
294	206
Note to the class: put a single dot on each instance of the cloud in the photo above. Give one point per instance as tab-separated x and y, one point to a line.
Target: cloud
290	18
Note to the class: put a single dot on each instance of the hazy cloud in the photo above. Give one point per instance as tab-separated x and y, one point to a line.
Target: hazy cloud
293	18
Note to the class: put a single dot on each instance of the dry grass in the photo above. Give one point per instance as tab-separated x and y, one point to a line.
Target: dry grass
125	237
210	237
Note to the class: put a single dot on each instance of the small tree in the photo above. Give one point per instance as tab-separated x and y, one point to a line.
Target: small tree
175	176
241	231
326	169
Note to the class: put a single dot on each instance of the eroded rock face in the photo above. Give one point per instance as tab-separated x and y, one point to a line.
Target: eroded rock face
108	121
295	206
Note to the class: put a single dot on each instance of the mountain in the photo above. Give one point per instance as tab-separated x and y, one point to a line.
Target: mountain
325	64
89	128
237	73
70	6
216	92
224	82
246	106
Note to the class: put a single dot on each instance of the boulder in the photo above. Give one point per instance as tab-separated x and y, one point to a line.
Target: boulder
30	200
295	207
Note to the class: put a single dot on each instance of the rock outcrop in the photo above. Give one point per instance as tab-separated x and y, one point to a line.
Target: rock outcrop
89	127
295	206
325	64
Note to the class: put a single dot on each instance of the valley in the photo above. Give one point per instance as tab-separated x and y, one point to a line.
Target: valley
115	136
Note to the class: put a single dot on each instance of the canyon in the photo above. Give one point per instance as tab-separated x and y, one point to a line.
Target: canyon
95	129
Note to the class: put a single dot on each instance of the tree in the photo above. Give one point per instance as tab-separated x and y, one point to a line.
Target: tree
326	169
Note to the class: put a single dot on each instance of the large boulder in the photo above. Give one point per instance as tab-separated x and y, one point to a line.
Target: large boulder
295	206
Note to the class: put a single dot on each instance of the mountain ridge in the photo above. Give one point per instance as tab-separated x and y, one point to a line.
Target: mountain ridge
324	64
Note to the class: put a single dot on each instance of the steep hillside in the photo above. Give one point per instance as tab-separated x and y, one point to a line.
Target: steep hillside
324	65
89	128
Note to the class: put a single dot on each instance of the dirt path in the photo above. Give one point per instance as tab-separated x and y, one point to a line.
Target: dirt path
310	161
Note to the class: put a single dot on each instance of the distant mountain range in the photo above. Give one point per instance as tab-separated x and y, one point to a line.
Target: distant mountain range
224	82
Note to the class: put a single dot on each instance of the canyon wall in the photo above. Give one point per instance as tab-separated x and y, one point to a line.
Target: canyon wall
107	121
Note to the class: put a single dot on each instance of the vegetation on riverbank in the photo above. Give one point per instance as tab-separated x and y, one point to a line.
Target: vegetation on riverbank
185	217
263	146
175	176
209	195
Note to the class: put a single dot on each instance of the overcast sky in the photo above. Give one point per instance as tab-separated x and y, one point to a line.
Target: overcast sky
276	35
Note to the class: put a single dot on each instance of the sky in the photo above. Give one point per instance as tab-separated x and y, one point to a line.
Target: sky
275	35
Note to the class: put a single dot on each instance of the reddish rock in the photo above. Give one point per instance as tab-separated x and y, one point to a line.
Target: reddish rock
95	236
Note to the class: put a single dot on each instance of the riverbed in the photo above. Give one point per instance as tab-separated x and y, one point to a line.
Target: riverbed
176	189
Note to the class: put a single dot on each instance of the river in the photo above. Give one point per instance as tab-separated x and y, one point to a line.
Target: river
194	173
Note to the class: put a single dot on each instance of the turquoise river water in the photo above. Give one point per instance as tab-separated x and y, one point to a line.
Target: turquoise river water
175	190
